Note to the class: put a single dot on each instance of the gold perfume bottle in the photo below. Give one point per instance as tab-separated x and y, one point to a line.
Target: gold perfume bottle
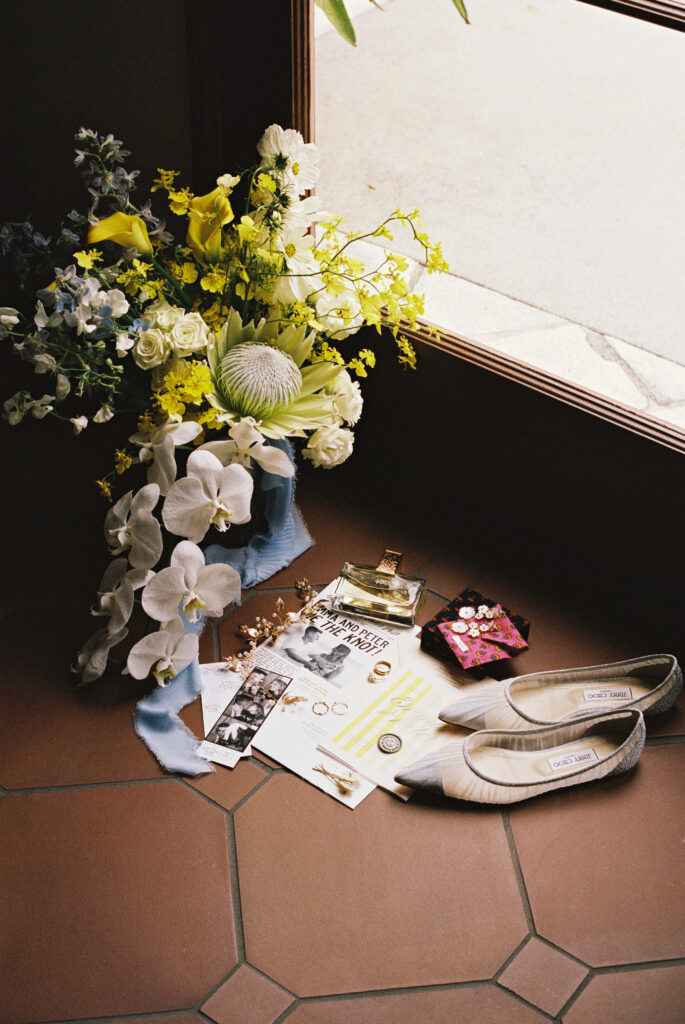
379	593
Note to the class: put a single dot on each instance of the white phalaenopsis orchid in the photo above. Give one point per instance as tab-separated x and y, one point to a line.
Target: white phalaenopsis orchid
246	444
130	524
210	495
103	415
42	320
62	387
157	449
116	590
44	363
20	404
91	660
79	423
191	585
164	653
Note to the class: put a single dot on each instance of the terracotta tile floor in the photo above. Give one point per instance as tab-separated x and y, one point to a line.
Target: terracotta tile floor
249	897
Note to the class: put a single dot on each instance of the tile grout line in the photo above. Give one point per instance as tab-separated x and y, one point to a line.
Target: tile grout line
664	741
523	892
337	997
235	887
644	965
262	782
371	993
152	1016
203	796
576	995
68	788
215	988
512	956
565	952
526	1002
384	992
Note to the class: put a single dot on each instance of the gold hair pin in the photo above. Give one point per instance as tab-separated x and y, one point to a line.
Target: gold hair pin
268	629
291	699
345	783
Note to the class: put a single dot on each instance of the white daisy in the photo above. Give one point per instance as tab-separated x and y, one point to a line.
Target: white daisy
293	160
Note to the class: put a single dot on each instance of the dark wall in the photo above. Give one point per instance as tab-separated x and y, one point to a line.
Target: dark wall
117	68
519	483
185	85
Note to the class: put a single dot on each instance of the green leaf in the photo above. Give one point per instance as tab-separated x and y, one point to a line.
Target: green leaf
461	7
339	18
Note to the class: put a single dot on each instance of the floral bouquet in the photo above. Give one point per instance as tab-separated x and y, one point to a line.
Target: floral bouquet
224	347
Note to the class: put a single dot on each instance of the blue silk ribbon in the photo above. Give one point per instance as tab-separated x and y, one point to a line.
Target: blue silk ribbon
156	716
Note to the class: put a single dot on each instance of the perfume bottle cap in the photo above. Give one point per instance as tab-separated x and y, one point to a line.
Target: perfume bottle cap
389	563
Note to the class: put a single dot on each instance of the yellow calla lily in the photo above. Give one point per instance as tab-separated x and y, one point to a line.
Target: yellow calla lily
128	231
206	216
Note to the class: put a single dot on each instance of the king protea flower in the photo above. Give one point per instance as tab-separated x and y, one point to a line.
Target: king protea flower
257	371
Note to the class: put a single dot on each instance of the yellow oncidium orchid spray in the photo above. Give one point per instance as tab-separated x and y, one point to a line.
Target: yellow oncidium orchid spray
126	230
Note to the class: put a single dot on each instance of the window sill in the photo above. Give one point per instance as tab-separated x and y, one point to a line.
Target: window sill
602	375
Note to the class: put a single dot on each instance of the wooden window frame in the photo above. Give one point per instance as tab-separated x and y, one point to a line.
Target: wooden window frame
670	13
300	81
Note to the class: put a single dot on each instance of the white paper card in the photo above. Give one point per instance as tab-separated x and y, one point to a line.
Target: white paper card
311	710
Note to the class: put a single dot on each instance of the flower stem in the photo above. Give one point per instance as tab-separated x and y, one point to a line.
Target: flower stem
174	284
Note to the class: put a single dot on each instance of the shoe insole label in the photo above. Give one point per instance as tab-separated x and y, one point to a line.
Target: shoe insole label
608	693
557	764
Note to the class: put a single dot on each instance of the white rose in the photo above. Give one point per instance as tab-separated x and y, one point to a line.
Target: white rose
329	446
189	334
151	348
347	398
162	315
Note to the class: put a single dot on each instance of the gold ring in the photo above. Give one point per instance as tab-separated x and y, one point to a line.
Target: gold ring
379	671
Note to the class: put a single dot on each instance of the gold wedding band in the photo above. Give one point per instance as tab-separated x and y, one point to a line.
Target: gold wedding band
379	671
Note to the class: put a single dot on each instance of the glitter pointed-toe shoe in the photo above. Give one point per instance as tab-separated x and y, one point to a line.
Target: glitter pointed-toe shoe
506	766
649	684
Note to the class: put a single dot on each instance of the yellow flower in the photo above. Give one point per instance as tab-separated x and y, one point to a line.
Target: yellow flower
214	280
247	229
179	201
105	489
188	273
327	353
407	356
197	384
267	182
171	404
206	216
127	231
214	317
165	179
88	259
368	356
146	423
122	461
